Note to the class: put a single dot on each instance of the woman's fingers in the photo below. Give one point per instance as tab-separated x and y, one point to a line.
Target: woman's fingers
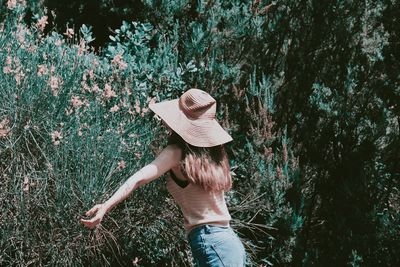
91	223
93	210
88	224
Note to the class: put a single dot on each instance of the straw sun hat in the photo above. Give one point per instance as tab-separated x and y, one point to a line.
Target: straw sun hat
192	116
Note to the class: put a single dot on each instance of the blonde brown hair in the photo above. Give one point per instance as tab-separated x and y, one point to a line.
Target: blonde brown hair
204	166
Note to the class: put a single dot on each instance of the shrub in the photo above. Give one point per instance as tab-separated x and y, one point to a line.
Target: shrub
76	125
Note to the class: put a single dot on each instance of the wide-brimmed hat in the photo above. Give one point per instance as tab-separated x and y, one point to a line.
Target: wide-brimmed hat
192	116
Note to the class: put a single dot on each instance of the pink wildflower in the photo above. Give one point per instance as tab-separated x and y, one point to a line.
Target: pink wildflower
91	74
69	32
42	70
121	130
95	88
125	104
58	42
26	184
7	69
268	153
108	92
279	171
82	47
128	91
4	128
118	60
114	109
135	261
11	4
84	125
123	65
95	62
32	49
8	60
42	22
54	84
56	137
85	87
76	102
121	165
20	34
137	106
151	100
19	76
144	110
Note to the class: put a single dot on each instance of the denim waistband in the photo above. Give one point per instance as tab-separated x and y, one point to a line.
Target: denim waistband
206	229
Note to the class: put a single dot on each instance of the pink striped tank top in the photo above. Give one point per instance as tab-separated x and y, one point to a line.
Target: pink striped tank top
199	206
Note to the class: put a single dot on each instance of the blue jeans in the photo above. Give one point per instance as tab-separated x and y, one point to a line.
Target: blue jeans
214	246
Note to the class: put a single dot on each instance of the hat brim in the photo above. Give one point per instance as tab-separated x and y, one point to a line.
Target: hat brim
197	132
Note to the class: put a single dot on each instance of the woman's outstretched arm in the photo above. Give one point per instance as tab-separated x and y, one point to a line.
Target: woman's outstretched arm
168	158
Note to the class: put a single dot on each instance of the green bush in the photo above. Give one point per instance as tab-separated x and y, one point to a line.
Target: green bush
76	124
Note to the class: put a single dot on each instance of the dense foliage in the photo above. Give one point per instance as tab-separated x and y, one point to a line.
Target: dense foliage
309	91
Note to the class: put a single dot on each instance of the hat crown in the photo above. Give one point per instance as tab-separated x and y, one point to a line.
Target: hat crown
197	104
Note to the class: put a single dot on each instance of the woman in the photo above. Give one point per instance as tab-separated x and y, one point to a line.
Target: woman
198	176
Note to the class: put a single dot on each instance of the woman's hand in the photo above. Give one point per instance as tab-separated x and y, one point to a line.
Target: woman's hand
99	211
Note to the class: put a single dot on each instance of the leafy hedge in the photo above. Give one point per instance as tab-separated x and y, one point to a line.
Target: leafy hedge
76	125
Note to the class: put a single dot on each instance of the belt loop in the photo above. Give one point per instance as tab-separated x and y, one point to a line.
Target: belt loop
208	229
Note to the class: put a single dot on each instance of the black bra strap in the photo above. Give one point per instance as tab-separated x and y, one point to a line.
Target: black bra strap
178	181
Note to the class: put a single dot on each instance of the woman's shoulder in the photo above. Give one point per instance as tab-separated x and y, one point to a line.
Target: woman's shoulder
173	150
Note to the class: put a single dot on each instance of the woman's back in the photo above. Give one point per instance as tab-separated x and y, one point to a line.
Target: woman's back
198	205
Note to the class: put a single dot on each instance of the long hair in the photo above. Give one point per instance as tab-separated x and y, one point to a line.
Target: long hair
207	167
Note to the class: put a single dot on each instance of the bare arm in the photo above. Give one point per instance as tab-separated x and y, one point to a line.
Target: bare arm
167	159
